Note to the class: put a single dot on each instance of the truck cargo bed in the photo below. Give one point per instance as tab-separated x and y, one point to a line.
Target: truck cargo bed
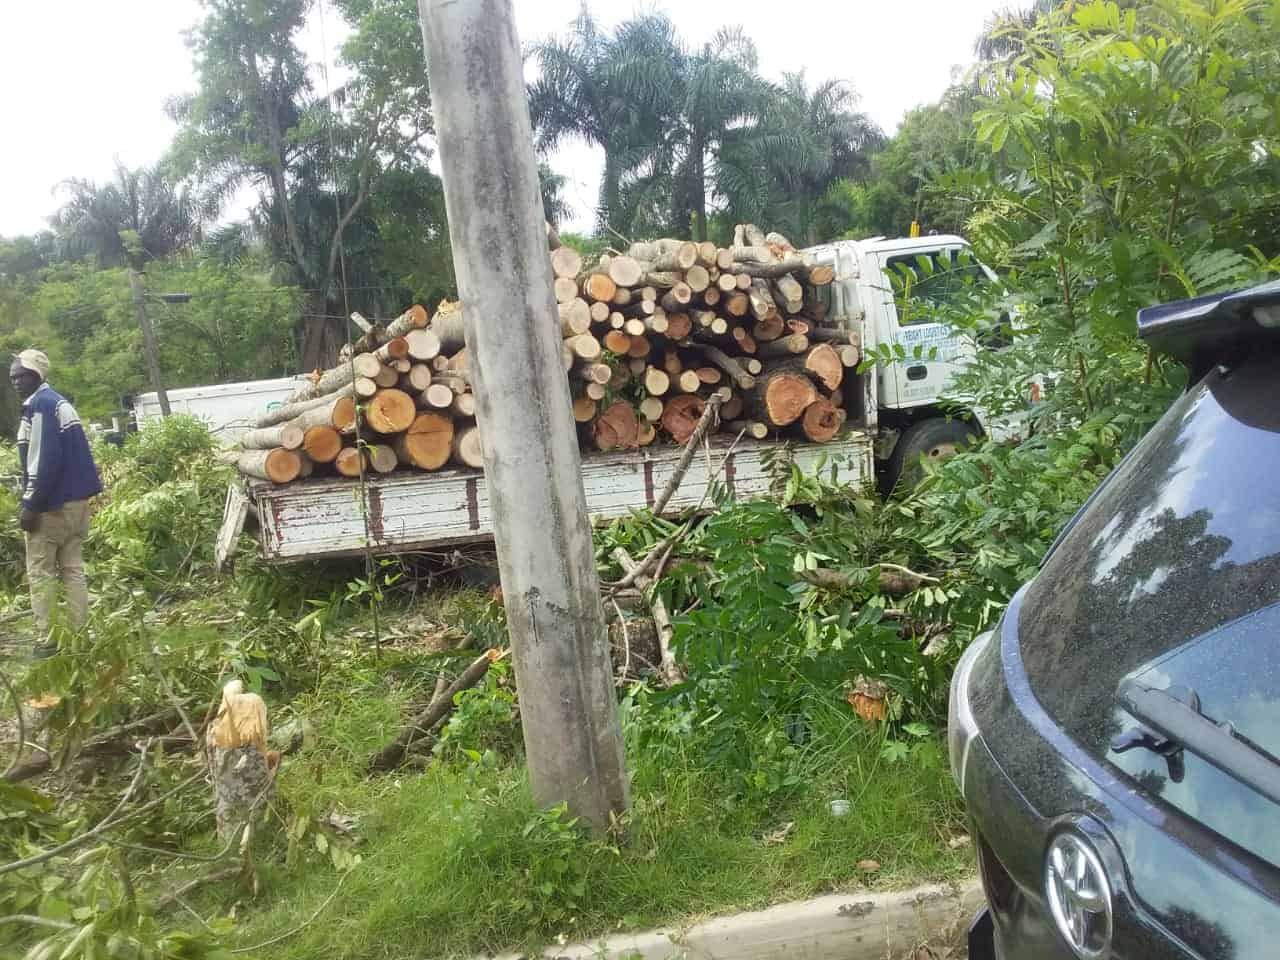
406	512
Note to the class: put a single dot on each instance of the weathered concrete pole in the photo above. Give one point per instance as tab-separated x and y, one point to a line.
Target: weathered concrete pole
523	407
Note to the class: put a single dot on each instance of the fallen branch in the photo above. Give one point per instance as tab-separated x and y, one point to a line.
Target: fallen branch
22	726
710	415
671	672
390	756
893	579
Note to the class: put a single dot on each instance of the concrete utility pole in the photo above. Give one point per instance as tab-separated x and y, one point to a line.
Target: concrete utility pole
523	407
148	340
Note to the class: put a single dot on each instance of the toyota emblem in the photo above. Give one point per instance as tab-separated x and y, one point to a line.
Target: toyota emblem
1079	896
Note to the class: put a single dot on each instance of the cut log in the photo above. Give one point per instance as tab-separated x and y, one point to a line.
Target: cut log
781	397
640	308
666	254
278	465
591	372
460	362
819	275
752	366
448	325
423	344
417	379
707	253
677	298
382	458
789	291
415	318
688	381
403	365
672	363
831	335
566	289
798	325
659	279
679	326
784	346
439	364
616	428
566	262
724	259
850	355
287	435
709	376
575	317
639	348
637	365
343	415
350	461
770	269
585	347
624	271
390	411
733	407
727	282
615	341
322	443
760	297
671	672
596	391
711	296
599	312
821	421
657	323
427	443
584	409
719	326
778	240
747	344
823	364
616	320
621	377
387	377
599	287
749	254
364	387
751	428
646	433
324	383
697	278
464	405
622	296
680	415
651	409
438	396
288	411
754	235
467	450
306	466
740	377
394	349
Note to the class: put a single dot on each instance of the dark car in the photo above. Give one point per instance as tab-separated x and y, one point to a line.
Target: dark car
1116	736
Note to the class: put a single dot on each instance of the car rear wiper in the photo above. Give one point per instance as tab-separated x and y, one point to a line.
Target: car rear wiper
1174	716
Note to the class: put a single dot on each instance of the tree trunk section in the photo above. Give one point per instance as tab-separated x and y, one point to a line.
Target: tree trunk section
821	421
428	442
382	458
278	465
680	415
781	397
322	443
287	435
616	428
237	749
791	345
390	411
566	262
349	462
467	450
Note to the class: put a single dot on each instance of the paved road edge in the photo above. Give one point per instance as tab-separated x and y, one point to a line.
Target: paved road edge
850	926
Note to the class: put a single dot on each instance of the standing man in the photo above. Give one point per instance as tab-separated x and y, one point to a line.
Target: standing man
58	478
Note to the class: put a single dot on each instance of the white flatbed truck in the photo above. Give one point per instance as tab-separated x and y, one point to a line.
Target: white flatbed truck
894	419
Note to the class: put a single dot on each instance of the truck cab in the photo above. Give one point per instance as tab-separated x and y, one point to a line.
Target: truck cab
907	394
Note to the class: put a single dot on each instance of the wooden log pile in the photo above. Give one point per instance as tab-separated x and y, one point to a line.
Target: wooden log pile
649	334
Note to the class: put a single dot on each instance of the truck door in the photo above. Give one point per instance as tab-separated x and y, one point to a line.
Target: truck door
914	284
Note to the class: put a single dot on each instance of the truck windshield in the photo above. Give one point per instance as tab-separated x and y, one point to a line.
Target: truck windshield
925	281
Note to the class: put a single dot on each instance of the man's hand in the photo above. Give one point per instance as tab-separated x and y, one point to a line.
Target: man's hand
29	520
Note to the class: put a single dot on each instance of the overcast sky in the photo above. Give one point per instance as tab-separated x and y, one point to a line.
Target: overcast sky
85	81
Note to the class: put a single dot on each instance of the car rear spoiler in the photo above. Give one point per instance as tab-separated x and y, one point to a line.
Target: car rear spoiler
1202	331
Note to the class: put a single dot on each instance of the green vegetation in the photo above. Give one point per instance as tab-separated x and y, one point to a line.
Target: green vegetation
1102	156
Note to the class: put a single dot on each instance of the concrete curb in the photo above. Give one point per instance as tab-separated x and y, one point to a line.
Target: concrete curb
855	926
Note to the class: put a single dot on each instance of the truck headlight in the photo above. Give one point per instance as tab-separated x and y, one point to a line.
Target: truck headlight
961	726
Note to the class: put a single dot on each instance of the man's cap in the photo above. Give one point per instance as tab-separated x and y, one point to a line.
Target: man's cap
37	361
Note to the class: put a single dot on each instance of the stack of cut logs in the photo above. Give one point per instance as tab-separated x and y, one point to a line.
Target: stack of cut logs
648	337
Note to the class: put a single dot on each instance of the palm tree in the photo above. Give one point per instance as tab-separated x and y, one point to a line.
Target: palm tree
138	216
814	138
611	91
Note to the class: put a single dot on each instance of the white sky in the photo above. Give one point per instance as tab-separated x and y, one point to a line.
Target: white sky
85	81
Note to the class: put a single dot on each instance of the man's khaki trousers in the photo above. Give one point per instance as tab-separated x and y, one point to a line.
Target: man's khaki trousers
55	551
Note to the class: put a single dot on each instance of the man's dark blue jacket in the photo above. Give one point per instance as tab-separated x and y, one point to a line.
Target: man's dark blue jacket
54	453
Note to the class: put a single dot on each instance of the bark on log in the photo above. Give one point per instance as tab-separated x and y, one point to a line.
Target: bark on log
591	372
447	324
237	745
322	443
790	292
287	435
361	365
781	397
749	254
761	300
740	377
349	462
821	421
616	428
671	672
791	345
394	349
467	450
566	262
414	318
288	411
278	465
770	269
390	411
680	415
724	259
666	254
677	298
427	443
830	335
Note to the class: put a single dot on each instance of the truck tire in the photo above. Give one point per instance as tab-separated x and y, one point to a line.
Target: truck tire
933	440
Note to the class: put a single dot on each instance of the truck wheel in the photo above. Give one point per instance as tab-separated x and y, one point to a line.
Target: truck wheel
932	440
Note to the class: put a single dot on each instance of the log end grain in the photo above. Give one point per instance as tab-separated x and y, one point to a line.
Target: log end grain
391	411
322	443
680	415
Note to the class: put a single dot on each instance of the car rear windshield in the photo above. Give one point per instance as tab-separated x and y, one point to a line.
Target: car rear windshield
1183	538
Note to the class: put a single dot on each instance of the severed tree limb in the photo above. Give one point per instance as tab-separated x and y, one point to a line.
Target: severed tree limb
671	672
893	579
390	756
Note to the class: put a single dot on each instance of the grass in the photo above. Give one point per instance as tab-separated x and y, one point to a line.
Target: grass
458	861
